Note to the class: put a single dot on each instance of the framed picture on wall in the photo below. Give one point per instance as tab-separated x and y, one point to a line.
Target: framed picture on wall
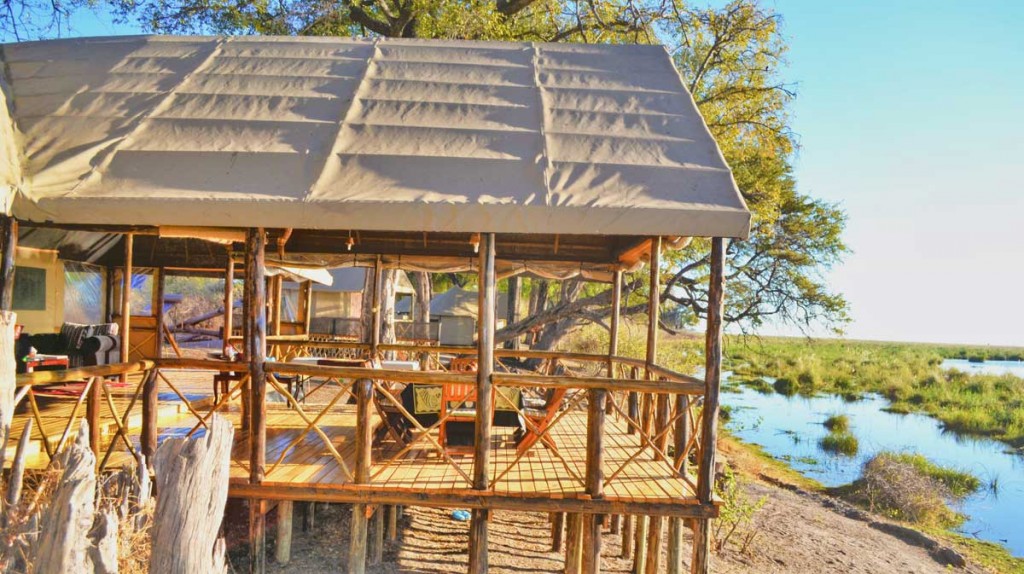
29	289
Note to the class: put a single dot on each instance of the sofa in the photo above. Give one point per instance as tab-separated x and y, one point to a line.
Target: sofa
85	345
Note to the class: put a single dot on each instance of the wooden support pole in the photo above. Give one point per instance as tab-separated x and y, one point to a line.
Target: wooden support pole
375	323
256	353
655	534
307	307
283	549
392	522
653	307
701	563
557	529
92	414
150	430
675	546
594	479
681	434
613	333
229	301
512	310
377	553
278	303
9	230
626	548
160	313
126	297
640	543
574	544
484	402
109	303
364	442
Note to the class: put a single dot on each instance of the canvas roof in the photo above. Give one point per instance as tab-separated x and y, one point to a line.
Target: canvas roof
455	302
383	134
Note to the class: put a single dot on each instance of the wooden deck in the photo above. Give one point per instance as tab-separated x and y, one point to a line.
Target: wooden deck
299	464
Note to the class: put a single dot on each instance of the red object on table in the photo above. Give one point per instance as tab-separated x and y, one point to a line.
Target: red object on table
34	362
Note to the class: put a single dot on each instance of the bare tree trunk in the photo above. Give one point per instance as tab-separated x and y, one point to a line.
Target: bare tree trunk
424	293
387	307
366	309
7	378
63	544
192	487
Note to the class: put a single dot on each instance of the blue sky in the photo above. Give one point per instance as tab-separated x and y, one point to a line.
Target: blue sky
910	116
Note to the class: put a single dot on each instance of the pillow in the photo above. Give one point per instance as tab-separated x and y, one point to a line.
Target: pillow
73	334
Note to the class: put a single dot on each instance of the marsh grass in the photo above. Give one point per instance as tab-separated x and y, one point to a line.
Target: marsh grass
837	423
841	443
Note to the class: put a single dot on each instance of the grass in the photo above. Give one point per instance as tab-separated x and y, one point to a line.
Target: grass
841	443
909	375
959	482
994	557
837	423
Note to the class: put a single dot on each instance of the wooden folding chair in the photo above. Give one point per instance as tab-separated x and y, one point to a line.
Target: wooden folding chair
539	421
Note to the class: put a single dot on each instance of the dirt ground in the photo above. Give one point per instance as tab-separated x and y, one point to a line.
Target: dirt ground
797	533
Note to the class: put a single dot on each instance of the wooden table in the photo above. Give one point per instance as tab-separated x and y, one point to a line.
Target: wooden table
39	360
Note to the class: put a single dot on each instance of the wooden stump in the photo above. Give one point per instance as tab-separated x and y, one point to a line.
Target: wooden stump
192	487
8	367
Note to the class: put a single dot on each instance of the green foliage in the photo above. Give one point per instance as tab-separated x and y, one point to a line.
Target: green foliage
736	522
837	423
841	443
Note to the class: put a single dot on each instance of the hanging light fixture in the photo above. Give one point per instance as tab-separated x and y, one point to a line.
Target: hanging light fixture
475	240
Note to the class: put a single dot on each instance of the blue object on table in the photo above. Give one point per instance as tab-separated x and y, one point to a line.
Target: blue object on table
461	515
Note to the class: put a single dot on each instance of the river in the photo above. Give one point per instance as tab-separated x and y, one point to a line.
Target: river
790	428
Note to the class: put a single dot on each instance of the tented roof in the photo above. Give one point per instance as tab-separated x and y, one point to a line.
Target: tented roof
383	134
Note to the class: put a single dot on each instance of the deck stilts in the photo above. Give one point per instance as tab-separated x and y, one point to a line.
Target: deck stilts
701	563
375	543
594	479
626	549
283	548
655	533
256	353
364	442
484	403
557	529
392	523
574	543
640	543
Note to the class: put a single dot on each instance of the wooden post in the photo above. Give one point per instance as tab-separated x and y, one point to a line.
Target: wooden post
557	529
640	543
701	563
594	479
613	332
484	402
376	545
9	229
160	313
109	303
126	297
654	537
256	353
375	323
512	310
681	434
8	368
187	521
150	430
392	523
626	549
364	442
64	525
92	414
278	294
229	301
283	550
653	307
307	307
574	543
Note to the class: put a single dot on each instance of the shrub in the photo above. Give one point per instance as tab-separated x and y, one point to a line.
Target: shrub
837	423
896	487
736	519
808	380
785	386
841	443
959	482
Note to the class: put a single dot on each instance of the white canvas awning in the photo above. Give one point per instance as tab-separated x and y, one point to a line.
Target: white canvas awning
386	134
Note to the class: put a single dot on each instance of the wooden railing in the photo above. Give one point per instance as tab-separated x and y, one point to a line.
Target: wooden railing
653	410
